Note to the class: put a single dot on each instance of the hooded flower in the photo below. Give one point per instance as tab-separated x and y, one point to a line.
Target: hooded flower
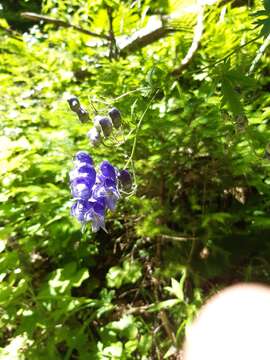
81	188
79	209
96	214
83	157
95	192
94	136
125	179
107	170
115	115
82	177
107	189
104	124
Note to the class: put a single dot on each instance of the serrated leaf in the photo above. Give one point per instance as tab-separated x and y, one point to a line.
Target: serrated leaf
238	78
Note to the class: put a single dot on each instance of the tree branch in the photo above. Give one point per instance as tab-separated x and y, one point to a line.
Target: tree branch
198	31
259	54
57	22
144	40
113	47
177	238
11	32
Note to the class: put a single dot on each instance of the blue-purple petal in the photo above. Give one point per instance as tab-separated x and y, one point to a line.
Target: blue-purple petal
84	170
96	215
94	136
81	188
84	157
107	170
99	208
111	200
79	209
98	222
108	183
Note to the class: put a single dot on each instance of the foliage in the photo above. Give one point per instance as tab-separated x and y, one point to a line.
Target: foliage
197	144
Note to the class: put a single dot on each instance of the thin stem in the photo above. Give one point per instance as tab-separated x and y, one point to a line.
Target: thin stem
137	130
113	47
129	92
198	32
119	97
193	246
177	238
229	55
37	17
93	107
11	33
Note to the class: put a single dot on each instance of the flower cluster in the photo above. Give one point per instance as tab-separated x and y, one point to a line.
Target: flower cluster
104	125
95	191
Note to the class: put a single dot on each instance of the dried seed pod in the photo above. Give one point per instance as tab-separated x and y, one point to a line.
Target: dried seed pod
74	103
115	115
83	115
104	123
94	136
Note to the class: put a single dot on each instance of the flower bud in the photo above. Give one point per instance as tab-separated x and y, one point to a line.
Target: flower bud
125	179
94	136
105	124
115	115
83	115
74	103
96	122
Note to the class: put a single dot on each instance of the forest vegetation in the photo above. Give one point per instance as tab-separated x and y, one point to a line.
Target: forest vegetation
191	80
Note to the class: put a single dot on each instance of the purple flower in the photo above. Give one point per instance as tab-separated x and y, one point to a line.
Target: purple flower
94	193
107	170
83	115
94	136
112	196
79	209
125	179
96	214
103	123
115	115
83	170
108	191
74	103
75	106
84	157
106	126
81	188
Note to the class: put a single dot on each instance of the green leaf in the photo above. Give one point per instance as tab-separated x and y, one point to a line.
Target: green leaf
113	351
63	279
266	4
129	273
166	304
230	97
